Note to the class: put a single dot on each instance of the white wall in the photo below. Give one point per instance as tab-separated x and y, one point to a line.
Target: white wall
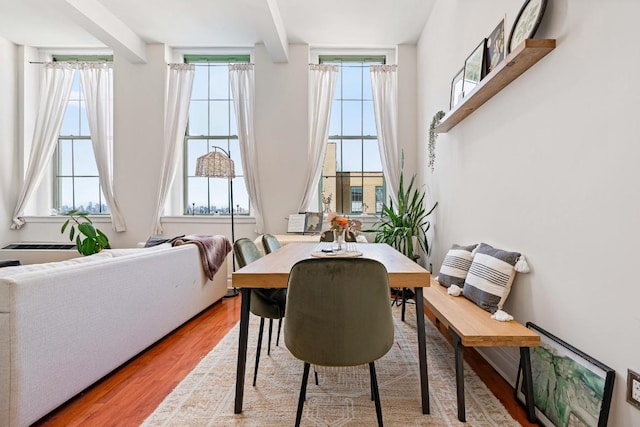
8	133
548	167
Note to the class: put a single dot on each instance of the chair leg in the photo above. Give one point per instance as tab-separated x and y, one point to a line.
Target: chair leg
303	393
269	342
315	373
255	372
376	393
279	327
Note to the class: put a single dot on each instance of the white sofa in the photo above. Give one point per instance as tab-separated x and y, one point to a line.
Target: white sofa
65	325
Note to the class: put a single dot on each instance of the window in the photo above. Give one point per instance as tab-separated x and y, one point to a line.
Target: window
356	199
352	168
76	178
212	123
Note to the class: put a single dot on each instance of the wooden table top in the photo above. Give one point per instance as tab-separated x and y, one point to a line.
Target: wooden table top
272	271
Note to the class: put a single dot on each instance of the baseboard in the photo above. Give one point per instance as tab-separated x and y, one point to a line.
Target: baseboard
505	360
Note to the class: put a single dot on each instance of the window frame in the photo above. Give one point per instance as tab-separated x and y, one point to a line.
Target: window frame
56	192
343	179
186	207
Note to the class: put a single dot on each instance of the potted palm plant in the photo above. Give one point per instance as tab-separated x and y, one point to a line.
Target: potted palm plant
405	226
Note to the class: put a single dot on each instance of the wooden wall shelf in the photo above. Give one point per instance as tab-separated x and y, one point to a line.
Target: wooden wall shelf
517	62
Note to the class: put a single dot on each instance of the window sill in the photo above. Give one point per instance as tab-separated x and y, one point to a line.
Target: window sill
207	219
59	219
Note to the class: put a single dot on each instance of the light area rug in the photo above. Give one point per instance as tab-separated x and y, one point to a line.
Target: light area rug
342	398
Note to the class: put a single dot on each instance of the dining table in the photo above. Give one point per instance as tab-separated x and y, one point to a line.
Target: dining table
272	271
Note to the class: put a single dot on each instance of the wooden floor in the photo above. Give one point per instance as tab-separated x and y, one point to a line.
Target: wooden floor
130	394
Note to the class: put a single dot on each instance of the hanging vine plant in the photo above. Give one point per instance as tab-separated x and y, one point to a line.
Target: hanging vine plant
433	135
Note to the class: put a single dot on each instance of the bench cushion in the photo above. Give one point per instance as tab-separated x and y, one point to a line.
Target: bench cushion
456	265
490	277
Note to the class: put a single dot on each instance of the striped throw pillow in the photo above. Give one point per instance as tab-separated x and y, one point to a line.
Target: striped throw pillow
456	265
490	277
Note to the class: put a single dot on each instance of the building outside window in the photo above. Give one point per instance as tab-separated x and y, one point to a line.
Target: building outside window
353	158
212	122
76	183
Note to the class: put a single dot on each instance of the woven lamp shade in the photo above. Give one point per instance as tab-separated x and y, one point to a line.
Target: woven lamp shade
215	165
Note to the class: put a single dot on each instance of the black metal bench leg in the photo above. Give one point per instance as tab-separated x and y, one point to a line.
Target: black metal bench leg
527	378
459	358
422	351
404	302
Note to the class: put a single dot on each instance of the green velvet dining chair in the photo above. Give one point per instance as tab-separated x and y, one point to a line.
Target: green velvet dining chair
338	314
265	303
326	236
270	243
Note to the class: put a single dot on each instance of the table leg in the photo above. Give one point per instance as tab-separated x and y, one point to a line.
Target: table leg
242	348
459	358
422	351
527	380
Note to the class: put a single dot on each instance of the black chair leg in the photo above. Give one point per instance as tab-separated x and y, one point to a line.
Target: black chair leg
315	373
303	393
279	327
269	342
376	393
255	372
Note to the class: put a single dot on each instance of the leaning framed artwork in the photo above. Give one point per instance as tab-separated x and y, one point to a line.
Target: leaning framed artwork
456	89
495	47
569	387
474	68
526	23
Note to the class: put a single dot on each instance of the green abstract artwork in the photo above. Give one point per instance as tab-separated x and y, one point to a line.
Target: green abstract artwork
570	389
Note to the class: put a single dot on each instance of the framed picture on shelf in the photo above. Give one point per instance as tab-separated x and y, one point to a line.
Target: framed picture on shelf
570	388
495	47
526	23
456	89
312	222
474	68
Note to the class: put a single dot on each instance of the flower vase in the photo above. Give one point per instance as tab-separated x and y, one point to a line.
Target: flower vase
338	237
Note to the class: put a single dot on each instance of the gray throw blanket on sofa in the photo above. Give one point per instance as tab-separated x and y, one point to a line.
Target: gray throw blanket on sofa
213	250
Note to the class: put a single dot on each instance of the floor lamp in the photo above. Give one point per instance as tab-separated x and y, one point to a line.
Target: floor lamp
218	164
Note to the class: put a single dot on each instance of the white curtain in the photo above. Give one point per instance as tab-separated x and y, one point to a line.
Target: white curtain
385	105
175	123
241	80
322	84
55	88
97	86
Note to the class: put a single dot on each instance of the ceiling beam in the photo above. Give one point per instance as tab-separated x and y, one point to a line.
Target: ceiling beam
106	27
274	35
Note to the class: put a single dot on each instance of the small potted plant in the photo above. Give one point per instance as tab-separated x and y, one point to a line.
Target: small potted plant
89	240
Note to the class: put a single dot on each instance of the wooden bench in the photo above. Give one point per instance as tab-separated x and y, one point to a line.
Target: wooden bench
471	326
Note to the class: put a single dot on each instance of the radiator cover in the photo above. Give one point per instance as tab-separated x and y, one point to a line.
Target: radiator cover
39	252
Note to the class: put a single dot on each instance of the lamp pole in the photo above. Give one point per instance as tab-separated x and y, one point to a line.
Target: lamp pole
212	166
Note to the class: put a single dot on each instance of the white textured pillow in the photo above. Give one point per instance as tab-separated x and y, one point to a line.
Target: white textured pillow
490	277
456	265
